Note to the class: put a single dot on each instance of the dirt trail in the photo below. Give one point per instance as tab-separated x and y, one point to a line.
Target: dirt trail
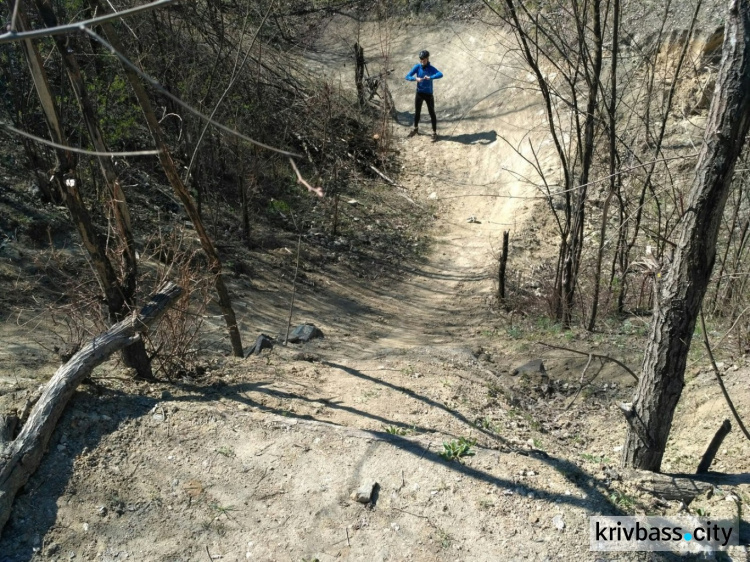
472	172
259	465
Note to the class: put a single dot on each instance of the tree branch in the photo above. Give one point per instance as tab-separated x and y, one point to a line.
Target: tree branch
73	27
604	357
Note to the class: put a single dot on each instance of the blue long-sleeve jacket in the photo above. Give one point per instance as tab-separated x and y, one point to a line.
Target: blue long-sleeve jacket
419	71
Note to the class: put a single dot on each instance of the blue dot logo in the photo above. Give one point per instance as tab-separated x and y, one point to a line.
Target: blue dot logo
688	536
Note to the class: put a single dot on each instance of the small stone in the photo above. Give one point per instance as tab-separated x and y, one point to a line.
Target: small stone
85	527
304	333
534	366
102	511
558	522
433	195
363	494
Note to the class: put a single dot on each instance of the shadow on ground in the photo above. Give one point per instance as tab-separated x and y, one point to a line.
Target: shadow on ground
81	428
485	137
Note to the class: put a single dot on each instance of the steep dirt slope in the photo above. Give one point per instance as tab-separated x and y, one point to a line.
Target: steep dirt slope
473	173
257	462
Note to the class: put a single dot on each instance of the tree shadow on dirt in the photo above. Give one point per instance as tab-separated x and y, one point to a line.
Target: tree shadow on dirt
577	476
424	399
238	393
88	418
595	499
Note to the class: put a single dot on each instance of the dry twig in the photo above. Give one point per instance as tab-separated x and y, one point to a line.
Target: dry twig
718	379
598	356
300	180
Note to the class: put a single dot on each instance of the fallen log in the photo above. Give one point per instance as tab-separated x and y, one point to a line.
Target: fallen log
20	458
683	487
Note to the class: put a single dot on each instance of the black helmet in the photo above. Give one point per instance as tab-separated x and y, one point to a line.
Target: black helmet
424	55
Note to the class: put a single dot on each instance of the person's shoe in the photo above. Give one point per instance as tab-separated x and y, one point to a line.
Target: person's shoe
434	136
413	132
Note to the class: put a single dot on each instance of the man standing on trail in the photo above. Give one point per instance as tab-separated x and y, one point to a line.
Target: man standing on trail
423	74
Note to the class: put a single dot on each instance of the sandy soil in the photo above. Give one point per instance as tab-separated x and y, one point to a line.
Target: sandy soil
257	460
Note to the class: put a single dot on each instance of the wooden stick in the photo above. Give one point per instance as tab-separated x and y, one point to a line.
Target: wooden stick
501	270
294	291
605	357
20	459
719	380
713	447
580	388
300	180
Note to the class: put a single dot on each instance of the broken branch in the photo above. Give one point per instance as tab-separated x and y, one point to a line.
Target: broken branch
604	357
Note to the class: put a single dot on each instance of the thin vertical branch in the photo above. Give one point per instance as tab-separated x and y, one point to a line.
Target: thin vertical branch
294	290
719	380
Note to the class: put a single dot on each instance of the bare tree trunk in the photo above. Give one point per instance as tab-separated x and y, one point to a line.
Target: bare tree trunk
134	356
68	183
575	246
165	158
680	297
612	114
22	456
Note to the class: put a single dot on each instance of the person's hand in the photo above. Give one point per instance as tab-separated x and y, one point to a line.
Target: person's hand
426	78
419	79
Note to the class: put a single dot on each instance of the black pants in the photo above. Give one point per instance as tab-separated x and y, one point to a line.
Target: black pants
430	99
